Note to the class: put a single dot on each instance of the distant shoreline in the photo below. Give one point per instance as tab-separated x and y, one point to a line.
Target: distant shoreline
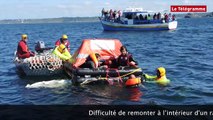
50	20
85	19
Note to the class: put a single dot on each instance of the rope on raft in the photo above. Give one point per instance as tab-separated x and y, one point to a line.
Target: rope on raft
105	78
108	79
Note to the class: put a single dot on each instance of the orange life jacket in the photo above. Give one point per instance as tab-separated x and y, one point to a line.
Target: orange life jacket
133	81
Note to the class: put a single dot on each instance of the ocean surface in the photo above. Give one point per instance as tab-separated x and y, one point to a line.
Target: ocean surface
186	53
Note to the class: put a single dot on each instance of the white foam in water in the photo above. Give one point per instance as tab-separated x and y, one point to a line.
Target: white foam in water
49	84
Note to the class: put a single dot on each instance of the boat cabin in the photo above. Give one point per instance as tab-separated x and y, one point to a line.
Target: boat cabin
133	16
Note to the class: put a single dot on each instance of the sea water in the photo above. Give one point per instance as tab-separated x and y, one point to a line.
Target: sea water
186	53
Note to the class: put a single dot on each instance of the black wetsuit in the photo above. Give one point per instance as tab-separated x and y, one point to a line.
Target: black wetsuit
124	60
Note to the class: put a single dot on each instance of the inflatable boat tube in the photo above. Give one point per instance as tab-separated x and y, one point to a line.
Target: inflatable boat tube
104	73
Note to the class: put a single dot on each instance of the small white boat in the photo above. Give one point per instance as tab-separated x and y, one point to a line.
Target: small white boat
130	20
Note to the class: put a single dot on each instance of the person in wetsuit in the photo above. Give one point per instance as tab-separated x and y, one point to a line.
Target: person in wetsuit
160	78
94	61
125	59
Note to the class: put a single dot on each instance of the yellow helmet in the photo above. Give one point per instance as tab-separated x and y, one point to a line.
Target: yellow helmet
61	47
23	36
162	71
64	36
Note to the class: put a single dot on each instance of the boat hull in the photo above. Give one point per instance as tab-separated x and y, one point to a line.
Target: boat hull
111	26
24	70
43	64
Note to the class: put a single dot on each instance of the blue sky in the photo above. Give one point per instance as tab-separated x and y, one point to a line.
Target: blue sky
24	9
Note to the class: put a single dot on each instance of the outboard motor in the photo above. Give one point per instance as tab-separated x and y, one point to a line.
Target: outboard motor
40	46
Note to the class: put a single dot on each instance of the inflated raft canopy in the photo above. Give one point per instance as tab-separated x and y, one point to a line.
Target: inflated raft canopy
108	49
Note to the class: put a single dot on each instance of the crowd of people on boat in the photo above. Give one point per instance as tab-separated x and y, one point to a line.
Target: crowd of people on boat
115	16
111	15
157	16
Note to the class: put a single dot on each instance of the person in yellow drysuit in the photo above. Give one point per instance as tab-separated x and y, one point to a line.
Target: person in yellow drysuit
62	52
160	78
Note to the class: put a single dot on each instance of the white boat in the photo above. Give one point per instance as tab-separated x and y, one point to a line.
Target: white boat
130	20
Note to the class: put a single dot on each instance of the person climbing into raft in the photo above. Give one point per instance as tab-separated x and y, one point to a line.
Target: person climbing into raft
22	49
125	59
62	52
93	61
160	78
63	40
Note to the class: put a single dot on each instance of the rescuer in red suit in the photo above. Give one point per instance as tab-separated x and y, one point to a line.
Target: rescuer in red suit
22	49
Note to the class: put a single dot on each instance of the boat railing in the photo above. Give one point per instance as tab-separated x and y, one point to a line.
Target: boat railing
112	20
147	21
135	21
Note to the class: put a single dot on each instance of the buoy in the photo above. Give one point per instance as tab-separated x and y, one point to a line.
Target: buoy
133	81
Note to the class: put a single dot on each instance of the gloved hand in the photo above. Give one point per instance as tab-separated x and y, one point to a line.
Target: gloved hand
145	76
133	64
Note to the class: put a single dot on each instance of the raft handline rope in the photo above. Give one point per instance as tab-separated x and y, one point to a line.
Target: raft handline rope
107	72
105	78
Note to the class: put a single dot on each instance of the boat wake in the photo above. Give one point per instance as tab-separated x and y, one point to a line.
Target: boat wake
49	84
